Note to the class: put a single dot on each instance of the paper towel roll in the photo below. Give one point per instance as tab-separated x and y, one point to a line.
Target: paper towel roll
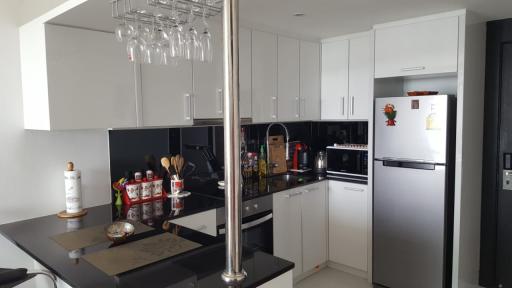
73	185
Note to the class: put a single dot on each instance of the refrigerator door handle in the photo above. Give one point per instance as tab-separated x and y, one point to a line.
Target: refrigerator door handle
409	164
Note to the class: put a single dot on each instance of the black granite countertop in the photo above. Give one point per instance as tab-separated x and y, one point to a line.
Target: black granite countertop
198	268
257	187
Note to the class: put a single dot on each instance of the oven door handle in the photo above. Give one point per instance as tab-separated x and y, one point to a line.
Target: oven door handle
251	224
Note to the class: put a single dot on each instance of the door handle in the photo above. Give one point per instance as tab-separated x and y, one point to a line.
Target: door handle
246	226
413	68
342	106
220	101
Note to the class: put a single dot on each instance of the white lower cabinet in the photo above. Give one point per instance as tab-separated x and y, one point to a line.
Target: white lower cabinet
300	226
348	215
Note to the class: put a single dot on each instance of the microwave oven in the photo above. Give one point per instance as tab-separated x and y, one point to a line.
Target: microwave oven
348	162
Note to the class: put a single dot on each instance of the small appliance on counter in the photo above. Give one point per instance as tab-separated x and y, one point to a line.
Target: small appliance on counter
321	162
348	162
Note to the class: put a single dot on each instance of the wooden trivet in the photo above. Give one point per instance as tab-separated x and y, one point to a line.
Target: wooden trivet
65	215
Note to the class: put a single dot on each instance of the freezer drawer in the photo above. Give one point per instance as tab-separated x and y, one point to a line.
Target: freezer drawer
409	227
419	130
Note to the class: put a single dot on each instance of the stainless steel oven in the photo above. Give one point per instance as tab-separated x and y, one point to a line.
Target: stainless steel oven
257	224
348	162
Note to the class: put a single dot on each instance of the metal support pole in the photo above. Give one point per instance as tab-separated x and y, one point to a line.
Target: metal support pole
233	186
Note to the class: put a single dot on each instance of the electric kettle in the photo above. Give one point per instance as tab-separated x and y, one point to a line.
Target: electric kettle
321	162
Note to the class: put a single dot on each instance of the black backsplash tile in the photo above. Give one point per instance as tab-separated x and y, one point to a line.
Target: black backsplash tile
130	150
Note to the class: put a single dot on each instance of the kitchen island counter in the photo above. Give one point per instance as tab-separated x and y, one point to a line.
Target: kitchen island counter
201	267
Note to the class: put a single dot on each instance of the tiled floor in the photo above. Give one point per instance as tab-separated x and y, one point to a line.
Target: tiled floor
331	278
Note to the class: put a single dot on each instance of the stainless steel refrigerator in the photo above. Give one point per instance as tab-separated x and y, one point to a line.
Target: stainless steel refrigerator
413	191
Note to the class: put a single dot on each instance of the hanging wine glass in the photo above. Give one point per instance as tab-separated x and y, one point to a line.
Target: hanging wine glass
135	45
191	42
206	41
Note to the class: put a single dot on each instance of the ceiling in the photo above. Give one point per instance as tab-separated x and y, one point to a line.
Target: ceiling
323	18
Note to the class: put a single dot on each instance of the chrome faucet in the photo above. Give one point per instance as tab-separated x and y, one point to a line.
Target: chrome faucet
287	155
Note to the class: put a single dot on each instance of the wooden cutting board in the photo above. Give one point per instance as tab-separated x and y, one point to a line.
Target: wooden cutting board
277	154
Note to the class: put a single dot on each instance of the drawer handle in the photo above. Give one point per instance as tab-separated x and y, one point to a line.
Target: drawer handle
293	194
413	68
353	189
310	190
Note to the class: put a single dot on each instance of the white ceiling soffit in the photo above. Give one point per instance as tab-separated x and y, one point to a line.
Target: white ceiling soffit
322	19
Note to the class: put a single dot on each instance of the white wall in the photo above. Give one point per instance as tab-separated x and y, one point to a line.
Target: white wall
32	162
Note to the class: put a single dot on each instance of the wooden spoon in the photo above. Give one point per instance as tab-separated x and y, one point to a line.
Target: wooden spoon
166	164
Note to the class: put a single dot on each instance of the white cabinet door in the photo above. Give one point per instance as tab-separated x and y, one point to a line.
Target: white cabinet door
90	82
309	80
335	80
426	47
208	80
166	94
348	224
360	78
314	225
245	73
288	76
287	227
264	76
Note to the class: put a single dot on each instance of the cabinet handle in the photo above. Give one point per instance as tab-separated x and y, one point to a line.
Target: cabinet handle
297	108
274	103
188	106
303	107
413	68
220	101
342	106
353	100
353	189
293	194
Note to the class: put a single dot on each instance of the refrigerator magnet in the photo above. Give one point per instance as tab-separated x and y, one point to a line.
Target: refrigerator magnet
390	112
432	122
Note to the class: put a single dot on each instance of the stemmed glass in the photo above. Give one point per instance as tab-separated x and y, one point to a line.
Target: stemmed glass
176	38
135	45
191	43
206	41
123	31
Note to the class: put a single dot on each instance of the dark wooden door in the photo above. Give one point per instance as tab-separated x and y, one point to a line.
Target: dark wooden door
496	226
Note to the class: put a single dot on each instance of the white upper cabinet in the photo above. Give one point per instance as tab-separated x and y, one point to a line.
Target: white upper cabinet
309	80
264	76
208	80
245	72
167	97
360	78
335	80
346	78
426	47
288	77
75	79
